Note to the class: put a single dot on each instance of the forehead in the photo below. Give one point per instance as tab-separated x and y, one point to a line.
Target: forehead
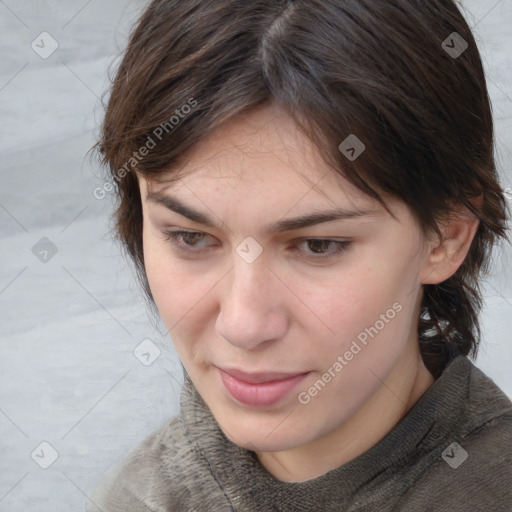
263	150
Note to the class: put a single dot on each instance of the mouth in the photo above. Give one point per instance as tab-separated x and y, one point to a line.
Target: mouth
259	389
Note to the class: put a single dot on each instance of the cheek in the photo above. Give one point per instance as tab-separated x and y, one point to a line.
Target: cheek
372	305
179	294
166	281
351	300
157	265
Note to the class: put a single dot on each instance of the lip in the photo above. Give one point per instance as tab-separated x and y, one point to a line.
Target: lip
259	389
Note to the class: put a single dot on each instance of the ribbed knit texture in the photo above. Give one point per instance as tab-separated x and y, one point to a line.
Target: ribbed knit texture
188	464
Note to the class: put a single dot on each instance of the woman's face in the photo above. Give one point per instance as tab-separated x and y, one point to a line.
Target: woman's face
285	337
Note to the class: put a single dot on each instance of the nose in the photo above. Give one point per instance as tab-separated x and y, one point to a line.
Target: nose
252	306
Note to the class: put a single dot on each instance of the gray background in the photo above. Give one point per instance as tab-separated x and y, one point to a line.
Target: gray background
69	326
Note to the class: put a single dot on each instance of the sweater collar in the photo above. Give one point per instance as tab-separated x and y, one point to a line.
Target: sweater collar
438	418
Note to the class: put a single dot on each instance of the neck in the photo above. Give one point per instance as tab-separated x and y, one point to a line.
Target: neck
398	393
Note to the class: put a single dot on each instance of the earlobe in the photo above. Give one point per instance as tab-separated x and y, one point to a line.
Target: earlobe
446	255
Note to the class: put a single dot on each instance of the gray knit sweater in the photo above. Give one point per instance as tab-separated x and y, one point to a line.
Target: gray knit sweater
188	465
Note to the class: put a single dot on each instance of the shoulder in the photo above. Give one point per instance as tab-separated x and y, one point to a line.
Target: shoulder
486	434
473	465
486	441
473	471
165	472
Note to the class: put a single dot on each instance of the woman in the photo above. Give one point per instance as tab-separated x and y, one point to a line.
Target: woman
308	192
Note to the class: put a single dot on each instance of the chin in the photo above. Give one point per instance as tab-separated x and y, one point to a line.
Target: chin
262	438
260	444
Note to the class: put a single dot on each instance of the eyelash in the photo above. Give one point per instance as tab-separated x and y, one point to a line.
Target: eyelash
175	236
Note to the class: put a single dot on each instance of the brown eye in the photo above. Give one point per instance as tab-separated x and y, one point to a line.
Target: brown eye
319	246
185	241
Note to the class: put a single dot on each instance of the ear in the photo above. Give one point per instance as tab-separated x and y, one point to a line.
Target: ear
446	255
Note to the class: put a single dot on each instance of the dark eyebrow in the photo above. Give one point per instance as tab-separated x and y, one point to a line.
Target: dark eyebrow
280	226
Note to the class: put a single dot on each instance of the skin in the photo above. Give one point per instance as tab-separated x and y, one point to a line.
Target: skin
288	311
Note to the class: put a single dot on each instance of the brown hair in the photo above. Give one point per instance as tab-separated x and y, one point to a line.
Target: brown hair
378	70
